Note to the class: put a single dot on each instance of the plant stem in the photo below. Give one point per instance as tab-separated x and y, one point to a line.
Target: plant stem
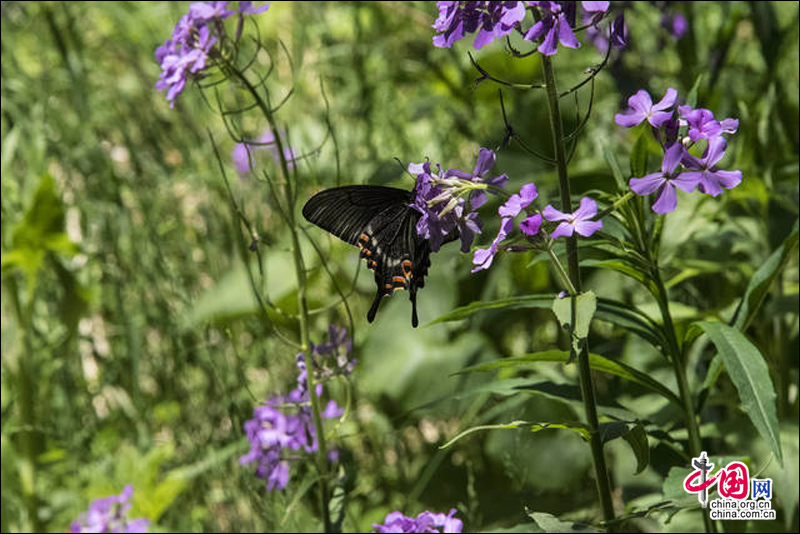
302	304
676	356
587	388
26	364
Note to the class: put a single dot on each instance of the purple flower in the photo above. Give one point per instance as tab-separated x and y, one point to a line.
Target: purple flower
518	202
483	257
578	221
531	225
710	179
243	154
439	197
108	515
664	183
337	352
675	23
641	107
492	20
595	7
555	26
702	124
424	522
284	424
193	42
600	37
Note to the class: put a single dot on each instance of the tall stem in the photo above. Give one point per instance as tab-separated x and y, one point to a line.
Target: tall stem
587	388
676	356
25	383
302	304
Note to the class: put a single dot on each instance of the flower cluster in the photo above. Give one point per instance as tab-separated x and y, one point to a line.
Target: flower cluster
193	42
580	221
439	197
243	154
494	20
284	424
679	167
424	522
108	515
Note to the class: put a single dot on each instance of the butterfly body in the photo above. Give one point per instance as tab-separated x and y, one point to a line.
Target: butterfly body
381	222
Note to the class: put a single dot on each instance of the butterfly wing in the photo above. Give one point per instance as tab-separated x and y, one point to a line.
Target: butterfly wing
380	221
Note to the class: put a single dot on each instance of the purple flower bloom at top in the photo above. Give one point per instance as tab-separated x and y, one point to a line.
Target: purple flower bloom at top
641	108
492	20
192	43
424	522
664	183
108	515
337	351
710	179
555	25
578	221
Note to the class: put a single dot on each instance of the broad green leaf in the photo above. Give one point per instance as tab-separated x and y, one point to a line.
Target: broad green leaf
526	301
750	375
579	428
596	362
618	313
585	306
639	155
550	523
761	281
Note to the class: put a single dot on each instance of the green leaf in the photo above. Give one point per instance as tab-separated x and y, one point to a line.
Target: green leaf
613	164
526	301
750	375
618	313
637	439
579	428
585	306
550	523
596	362
639	155
691	96
759	285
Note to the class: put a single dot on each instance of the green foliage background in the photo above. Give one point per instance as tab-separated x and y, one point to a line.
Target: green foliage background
129	326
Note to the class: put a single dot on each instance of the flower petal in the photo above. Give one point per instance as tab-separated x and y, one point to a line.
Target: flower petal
587	228
648	184
667	200
669	99
672	157
564	229
531	225
586	210
552	214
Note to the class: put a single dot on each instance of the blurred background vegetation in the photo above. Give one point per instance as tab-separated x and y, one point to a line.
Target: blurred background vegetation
133	349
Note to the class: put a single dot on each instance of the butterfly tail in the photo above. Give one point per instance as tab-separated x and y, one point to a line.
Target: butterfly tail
374	309
413	298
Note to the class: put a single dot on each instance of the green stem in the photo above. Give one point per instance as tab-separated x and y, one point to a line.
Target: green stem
25	382
587	388
302	304
678	365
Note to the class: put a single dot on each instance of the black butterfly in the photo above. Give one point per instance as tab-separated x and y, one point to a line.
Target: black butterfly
382	223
